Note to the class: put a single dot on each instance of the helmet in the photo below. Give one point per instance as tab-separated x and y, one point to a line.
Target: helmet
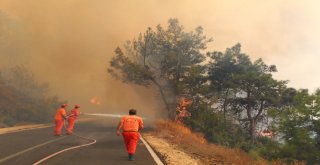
64	105
77	106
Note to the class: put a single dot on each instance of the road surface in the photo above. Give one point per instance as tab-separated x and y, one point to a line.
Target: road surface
29	146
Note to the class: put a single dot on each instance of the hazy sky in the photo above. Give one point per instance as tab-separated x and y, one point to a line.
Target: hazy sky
69	42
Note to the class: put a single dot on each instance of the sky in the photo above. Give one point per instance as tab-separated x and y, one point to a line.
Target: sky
69	43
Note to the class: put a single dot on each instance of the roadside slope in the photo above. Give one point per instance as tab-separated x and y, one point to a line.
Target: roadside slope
176	144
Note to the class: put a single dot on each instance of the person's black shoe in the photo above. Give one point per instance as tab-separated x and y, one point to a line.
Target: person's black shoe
131	157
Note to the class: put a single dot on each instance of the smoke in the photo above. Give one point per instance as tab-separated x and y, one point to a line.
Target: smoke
69	43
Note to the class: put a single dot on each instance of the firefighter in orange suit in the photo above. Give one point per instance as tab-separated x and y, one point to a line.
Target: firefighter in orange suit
130	125
74	113
59	117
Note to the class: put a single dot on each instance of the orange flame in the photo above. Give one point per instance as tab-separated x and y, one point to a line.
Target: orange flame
95	100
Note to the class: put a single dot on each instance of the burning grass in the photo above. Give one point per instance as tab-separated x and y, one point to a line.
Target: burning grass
196	146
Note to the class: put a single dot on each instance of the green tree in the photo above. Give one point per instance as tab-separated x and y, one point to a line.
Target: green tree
222	71
251	83
297	125
165	57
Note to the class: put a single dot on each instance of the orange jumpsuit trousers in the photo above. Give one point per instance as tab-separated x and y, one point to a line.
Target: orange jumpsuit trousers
131	140
58	127
70	124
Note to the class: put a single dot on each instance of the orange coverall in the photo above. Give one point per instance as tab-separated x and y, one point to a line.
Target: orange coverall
131	124
74	113
60	114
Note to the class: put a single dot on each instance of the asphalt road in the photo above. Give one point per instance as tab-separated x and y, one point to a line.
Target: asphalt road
27	147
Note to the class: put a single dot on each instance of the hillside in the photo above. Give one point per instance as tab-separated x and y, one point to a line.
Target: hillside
177	144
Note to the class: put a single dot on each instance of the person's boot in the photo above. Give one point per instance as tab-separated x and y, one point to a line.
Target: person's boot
131	157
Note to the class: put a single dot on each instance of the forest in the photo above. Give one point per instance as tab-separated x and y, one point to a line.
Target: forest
234	97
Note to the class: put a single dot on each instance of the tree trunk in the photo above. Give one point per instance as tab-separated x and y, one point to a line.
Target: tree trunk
260	111
252	130
251	124
178	68
162	96
252	120
225	104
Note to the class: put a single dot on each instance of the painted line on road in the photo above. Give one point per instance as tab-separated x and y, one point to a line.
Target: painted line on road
29	149
153	154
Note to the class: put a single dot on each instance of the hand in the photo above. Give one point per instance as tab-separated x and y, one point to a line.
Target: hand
118	132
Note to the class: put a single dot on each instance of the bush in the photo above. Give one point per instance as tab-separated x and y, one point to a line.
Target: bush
213	126
9	121
269	148
23	99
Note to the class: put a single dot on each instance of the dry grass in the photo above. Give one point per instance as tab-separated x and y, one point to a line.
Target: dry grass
196	145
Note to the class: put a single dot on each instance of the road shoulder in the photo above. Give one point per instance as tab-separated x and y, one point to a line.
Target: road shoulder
169	153
22	128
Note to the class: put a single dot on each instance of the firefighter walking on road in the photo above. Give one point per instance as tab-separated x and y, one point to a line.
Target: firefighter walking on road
130	125
59	117
74	113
